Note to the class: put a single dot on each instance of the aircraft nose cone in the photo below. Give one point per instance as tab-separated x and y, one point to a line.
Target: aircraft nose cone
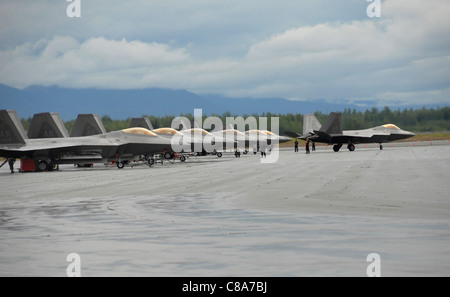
406	134
284	139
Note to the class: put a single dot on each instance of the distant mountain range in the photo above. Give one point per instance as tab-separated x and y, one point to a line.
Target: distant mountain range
122	104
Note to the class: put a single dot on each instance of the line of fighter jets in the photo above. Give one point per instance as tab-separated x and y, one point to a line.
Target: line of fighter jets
48	144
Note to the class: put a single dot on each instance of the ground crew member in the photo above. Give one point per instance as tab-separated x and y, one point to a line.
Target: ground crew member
11	162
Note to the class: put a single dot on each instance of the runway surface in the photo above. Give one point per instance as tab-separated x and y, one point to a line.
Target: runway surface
320	214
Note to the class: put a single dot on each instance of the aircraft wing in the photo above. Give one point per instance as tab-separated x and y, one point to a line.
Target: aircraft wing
299	136
48	146
367	135
56	147
359	136
292	134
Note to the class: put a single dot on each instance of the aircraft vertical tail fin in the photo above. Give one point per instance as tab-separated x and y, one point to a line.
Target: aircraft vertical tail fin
333	124
11	129
86	125
310	124
47	125
141	122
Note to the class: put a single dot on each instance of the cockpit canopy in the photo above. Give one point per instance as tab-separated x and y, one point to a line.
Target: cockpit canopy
260	132
167	131
196	131
268	132
139	131
391	126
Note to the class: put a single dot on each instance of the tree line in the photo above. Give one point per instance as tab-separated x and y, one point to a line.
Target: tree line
418	120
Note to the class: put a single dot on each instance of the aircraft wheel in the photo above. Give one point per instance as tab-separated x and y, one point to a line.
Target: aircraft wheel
120	165
351	147
42	166
168	155
245	152
150	161
336	147
219	154
182	158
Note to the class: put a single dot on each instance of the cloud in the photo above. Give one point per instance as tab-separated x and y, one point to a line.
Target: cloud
404	52
403	57
97	62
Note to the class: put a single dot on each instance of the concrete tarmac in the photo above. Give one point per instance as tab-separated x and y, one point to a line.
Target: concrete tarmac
319	214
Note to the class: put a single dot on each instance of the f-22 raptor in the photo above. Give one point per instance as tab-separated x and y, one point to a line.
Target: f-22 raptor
118	146
331	132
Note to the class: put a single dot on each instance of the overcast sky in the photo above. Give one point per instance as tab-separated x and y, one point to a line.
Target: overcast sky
295	49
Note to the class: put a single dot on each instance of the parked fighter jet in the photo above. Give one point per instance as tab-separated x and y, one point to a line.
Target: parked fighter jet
203	142
266	135
251	138
119	146
169	133
331	133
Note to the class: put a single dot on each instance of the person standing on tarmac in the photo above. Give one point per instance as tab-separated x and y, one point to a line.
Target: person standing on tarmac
263	149
307	146
11	162
296	146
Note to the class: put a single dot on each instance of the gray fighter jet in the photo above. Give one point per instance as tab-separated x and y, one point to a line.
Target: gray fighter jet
331	133
202	142
251	138
258	136
185	139
118	146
